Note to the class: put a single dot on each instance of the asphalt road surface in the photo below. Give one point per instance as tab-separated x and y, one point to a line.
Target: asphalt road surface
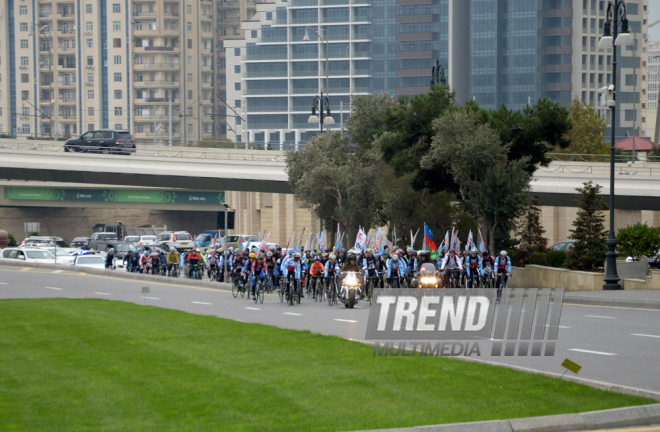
614	345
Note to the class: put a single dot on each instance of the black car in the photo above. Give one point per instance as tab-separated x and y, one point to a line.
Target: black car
111	141
80	242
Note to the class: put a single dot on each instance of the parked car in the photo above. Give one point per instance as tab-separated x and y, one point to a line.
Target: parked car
32	255
89	259
563	245
80	242
104	236
131	239
257	244
232	240
147	240
178	239
113	141
63	257
206	239
123	248
45	241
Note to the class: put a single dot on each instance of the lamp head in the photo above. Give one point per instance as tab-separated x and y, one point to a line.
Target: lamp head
328	120
605	42
313	119
624	38
306	37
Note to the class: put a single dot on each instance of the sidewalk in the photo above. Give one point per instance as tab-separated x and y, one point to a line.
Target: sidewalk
638	299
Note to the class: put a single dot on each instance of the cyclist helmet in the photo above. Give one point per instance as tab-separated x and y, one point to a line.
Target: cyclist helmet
351	256
278	248
410	249
473	251
317	258
319	253
291	251
423	253
252	255
269	254
503	253
325	255
333	257
342	250
395	256
452	251
212	251
260	256
485	253
296	255
188	250
369	251
197	250
111	250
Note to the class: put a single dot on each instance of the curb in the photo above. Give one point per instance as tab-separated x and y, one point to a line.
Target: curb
635	304
644	415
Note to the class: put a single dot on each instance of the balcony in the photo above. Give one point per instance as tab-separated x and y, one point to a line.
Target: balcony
155	83
145	32
145	14
66	16
144	49
155	66
332	19
207	85
68	102
67	84
207	17
45	15
66	49
304	20
171	14
155	101
65	31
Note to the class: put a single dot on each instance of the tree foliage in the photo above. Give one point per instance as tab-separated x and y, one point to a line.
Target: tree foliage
637	240
588	132
214	142
589	233
337	181
531	232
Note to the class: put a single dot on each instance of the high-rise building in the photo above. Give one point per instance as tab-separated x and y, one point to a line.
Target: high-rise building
70	66
275	72
651	90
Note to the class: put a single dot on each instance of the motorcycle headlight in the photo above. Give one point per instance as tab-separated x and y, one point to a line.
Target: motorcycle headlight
351	279
429	280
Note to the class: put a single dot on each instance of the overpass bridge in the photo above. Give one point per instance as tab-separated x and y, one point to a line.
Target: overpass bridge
264	171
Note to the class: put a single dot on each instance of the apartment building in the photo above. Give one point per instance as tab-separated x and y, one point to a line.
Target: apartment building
651	91
70	66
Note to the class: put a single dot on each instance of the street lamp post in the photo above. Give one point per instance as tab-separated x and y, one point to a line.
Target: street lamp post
616	15
438	74
321	103
224	251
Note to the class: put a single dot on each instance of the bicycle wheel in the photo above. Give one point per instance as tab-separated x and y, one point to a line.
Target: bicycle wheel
260	294
257	288
234	288
298	296
281	293
330	293
291	288
370	291
243	289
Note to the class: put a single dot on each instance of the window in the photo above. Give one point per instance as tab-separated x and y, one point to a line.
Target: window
189	27
117	76
90	112
237	52
190	128
24	27
117	60
152	77
190	111
189	60
189	77
238	121
237	69
117	94
139	128
90	127
119	126
118	111
90	61
152	25
116	8
88	8
0	95
25	78
90	78
653	87
24	61
238	138
25	95
89	26
23	10
116	43
189	9
90	94
24	43
116	25
253	34
237	103
269	16
190	94
189	43
25	111
237	86
26	128
90	43
138	25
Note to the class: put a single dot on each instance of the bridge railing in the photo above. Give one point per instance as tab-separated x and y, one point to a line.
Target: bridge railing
567	157
640	168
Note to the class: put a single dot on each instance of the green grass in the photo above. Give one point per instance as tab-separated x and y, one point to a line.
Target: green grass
98	365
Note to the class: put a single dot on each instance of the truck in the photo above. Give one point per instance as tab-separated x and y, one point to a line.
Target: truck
207	239
122	230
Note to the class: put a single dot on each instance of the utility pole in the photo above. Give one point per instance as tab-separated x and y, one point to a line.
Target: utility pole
634	52
170	111
155	130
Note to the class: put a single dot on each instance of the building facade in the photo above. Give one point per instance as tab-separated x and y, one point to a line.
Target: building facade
651	91
68	66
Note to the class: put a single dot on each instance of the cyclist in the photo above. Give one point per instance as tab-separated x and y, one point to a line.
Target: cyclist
341	257
331	269
316	271
271	265
237	264
258	267
487	261
291	268
110	259
395	267
193	259
133	261
474	264
370	265
451	263
212	264
172	260
503	268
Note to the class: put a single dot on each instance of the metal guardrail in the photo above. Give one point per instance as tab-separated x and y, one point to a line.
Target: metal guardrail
642	169
216	154
567	157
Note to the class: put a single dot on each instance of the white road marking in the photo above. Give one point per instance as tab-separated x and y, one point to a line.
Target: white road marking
58	271
644	335
53	288
343	320
591	352
202	303
598	316
99	293
4	283
291	313
151	298
251	308
564	327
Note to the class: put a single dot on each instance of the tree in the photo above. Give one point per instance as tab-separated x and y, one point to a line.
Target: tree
531	232
214	142
338	183
589	231
12	241
367	119
655	151
587	135
637	240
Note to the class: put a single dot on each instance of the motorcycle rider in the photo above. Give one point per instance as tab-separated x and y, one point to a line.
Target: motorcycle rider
351	266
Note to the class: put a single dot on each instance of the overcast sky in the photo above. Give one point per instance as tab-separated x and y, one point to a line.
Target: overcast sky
654	15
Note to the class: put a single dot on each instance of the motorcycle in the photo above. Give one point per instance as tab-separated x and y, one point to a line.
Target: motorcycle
351	289
428	277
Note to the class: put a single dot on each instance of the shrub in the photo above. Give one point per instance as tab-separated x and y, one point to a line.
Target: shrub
12	241
5	136
637	240
33	234
555	258
538	258
513	255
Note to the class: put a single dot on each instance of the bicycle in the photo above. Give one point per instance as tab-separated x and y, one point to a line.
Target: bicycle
332	290
451	278
501	284
236	286
473	279
294	292
259	291
488	278
281	289
396	282
317	288
371	284
268	284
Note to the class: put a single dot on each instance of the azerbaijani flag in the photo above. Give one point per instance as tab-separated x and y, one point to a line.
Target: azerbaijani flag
296	247
240	240
482	247
445	243
430	246
470	241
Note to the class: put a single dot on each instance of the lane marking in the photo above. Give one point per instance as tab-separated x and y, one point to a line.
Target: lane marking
152	298
291	313
58	271
4	283
24	269
100	293
644	335
53	288
568	303
591	352
564	327
251	308
202	303
599	316
344	320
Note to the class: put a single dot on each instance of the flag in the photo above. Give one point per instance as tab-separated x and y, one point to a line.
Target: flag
412	243
457	243
470	242
394	234
240	241
453	239
301	236
296	247
430	246
482	247
361	239
376	247
445	243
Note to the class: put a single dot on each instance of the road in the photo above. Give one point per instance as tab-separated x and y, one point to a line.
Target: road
614	345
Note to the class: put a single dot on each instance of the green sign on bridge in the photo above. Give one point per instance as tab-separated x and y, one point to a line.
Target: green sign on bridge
114	195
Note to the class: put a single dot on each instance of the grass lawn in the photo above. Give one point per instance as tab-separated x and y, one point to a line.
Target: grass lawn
98	365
